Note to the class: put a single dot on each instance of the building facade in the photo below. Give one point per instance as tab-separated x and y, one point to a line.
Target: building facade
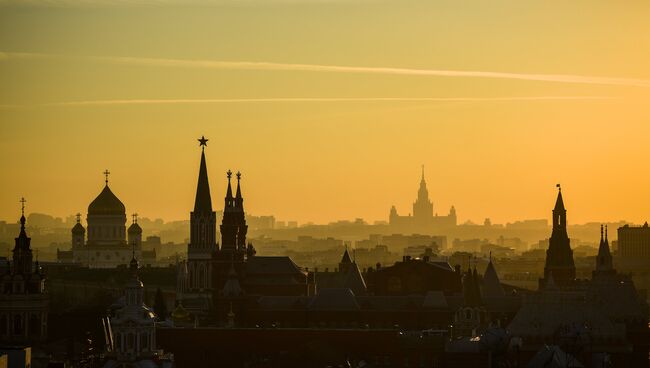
422	219
106	242
24	304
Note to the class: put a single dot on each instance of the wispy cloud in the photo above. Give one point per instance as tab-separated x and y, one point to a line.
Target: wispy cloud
149	3
273	66
181	101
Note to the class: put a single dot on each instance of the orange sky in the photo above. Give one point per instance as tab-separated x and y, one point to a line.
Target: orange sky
328	107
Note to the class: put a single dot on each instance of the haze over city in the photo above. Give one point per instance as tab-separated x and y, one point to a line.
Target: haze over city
324	183
107	85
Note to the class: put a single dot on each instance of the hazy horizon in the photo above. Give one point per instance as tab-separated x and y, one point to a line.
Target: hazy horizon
328	113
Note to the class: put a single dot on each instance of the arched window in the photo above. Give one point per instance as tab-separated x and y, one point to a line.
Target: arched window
468	314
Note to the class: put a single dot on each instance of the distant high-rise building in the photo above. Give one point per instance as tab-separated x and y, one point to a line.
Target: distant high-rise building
559	256
634	242
423	218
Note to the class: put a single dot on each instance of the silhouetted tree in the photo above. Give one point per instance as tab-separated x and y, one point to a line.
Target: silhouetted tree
159	305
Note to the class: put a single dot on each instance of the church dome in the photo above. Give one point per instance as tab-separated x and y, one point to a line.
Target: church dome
135	229
106	203
78	229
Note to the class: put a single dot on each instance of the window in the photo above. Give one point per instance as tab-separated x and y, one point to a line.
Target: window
34	325
18	325
130	340
3	325
144	341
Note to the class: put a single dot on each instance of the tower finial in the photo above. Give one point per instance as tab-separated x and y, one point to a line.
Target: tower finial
601	233
106	173
238	175
78	217
135	218
559	187
203	142
605	232
228	174
22	202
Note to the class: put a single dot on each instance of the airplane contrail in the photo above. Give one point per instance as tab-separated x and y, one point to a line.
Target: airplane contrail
299	99
273	66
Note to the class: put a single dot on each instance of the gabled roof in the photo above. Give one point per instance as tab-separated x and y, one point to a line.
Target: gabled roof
346	257
354	280
551	356
271	265
491	284
334	299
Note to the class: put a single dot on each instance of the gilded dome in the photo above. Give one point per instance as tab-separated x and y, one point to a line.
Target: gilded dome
180	314
106	203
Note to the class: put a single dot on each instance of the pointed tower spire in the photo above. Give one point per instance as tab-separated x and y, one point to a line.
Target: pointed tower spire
238	195
229	198
559	202
604	259
22	216
239	200
559	256
203	202
22	253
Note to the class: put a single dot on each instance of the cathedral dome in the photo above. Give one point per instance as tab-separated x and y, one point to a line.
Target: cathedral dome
106	203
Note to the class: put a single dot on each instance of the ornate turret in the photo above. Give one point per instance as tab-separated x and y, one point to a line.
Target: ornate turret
22	252
604	258
491	284
135	232
472	315
559	256
24	304
78	233
233	225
